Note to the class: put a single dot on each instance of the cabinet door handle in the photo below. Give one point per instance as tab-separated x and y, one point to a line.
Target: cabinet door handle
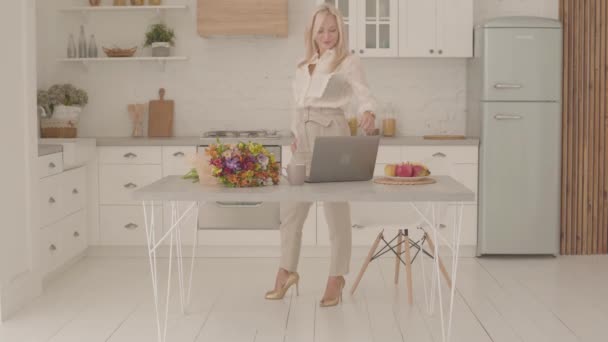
131	226
507	86
439	155
75	191
440	52
76	234
130	155
52	165
52	248
352	51
507	117
52	200
358	226
178	154
432	51
441	225
361	51
130	185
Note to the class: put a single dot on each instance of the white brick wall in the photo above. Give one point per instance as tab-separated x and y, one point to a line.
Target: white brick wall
243	82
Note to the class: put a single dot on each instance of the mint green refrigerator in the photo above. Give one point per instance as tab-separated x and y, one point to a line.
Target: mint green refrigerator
514	107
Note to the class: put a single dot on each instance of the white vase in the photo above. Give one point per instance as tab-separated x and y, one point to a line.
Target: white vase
161	49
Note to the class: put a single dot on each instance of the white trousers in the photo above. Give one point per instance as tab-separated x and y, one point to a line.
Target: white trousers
311	123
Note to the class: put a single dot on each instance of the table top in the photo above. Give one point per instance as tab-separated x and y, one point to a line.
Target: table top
174	188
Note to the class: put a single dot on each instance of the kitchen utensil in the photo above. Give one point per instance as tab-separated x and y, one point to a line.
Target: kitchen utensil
160	116
136	114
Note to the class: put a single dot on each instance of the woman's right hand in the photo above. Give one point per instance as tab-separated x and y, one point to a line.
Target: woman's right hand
294	146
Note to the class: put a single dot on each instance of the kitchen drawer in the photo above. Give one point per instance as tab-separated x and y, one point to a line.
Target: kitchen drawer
51	249
388	155
50	164
451	154
187	225
73	190
73	235
125	225
468	234
51	200
117	182
130	155
176	159
467	175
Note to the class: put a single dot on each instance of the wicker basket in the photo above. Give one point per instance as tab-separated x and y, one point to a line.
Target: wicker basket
118	52
63	123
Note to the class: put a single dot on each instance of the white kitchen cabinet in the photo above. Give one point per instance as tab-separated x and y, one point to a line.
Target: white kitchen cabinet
49	165
371	25
133	155
175	159
117	182
125	225
436	28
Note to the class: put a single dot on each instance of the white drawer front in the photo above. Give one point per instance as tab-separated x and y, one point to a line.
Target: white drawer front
73	236
117	182
451	154
51	248
187	226
176	159
125	225
50	164
468	234
388	155
73	189
51	200
130	155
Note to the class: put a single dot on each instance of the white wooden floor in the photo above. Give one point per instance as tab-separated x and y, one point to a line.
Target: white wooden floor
499	299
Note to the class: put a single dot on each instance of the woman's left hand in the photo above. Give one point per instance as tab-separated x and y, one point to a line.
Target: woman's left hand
368	122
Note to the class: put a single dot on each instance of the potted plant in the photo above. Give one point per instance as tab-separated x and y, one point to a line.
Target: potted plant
160	38
61	106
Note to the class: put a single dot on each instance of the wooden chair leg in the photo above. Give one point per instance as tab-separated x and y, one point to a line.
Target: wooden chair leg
445	273
397	257
408	269
366	262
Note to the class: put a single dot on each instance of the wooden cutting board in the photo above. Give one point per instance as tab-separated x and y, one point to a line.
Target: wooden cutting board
444	137
160	116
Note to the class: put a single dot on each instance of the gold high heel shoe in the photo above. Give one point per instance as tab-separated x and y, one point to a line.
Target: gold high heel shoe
333	301
292	278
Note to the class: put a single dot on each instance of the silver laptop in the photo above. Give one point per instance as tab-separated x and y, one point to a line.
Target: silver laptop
343	159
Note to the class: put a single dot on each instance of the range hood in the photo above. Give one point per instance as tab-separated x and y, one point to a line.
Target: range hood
242	17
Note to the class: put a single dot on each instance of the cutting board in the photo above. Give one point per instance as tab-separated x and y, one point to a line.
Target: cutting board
160	116
444	137
242	17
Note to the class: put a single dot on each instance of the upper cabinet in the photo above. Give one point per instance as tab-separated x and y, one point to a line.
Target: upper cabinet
242	17
436	28
408	28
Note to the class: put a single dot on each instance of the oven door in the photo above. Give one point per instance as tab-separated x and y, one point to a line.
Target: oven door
240	215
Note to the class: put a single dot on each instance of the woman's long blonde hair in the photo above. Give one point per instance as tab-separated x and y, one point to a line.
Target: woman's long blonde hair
341	48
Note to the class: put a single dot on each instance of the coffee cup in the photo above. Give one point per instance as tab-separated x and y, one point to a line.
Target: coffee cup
296	174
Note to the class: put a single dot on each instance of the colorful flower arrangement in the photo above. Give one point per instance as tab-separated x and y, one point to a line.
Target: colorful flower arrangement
243	164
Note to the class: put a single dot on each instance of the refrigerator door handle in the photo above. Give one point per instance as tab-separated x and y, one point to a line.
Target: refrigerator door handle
507	86
507	117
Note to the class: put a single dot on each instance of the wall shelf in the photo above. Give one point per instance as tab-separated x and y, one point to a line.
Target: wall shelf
161	60
122	8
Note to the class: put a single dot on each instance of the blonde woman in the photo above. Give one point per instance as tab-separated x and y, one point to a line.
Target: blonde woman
326	81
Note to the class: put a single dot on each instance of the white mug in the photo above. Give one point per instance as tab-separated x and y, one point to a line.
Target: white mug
296	173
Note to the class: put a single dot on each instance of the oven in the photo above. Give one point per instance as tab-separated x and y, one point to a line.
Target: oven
240	215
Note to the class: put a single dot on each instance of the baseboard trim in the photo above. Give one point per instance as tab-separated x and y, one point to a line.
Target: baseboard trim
20	291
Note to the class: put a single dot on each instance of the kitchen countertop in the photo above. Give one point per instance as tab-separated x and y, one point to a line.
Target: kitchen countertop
46	149
283	141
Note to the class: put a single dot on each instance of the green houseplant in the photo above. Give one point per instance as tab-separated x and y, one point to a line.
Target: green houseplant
160	38
61	106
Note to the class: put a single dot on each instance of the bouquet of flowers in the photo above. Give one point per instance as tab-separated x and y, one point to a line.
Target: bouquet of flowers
242	165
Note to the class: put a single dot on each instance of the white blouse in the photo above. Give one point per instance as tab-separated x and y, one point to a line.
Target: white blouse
325	89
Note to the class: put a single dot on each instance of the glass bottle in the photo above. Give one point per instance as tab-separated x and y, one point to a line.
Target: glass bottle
92	52
71	47
82	44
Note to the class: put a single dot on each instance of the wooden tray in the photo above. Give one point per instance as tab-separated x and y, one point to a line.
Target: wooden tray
444	137
405	181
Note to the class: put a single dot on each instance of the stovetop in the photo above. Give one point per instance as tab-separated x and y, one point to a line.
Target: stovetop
263	133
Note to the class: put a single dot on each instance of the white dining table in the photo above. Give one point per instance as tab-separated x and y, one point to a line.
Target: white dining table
175	190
